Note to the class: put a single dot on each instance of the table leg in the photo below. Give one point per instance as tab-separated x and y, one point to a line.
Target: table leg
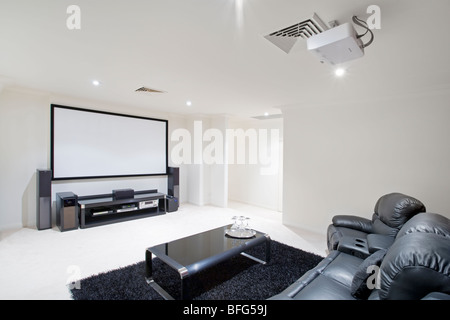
185	295
149	277
268	242
148	265
184	275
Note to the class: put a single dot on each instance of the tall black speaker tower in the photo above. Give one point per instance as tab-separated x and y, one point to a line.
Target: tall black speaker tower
173	183
43	199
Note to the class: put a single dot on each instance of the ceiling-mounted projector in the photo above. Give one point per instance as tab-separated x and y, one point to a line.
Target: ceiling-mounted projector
337	45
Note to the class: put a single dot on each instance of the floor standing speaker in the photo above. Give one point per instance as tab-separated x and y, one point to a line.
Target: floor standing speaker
67	211
43	199
173	183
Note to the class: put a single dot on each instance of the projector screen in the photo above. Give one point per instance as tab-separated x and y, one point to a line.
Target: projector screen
94	144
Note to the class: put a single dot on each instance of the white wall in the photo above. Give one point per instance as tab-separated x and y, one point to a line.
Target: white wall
207	183
218	188
175	122
340	158
254	183
25	145
216	183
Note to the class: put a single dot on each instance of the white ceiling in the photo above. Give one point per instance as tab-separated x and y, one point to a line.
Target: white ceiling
213	52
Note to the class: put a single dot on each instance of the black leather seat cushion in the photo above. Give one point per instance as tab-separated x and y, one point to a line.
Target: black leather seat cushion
331	279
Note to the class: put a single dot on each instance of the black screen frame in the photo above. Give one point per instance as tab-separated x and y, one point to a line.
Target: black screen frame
52	144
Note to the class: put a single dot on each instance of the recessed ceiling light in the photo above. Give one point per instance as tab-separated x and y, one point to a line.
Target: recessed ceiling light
339	72
96	83
266	114
189	103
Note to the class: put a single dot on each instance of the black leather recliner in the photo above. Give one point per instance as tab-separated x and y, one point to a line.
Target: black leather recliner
415	266
351	234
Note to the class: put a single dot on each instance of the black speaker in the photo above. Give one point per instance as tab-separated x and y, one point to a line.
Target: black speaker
43	199
67	211
173	183
123	194
170	204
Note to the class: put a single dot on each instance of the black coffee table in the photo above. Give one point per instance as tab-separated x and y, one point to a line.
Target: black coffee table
198	252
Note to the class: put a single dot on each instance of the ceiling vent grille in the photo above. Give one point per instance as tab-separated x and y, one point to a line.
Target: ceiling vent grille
145	89
286	38
273	116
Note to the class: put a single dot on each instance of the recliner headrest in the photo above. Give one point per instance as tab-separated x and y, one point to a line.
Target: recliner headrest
395	209
428	223
415	265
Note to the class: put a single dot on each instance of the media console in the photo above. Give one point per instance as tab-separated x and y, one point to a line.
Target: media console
96	210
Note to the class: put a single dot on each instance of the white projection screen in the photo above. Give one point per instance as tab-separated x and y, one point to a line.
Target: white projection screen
94	144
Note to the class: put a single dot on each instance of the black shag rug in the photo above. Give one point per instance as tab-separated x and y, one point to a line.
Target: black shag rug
239	278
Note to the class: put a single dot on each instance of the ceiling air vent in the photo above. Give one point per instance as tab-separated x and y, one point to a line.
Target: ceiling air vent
145	89
286	38
268	117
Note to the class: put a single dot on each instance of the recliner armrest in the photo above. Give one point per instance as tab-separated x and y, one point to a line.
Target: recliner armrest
354	246
353	222
376	242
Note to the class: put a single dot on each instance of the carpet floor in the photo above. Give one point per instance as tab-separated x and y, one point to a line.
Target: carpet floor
238	278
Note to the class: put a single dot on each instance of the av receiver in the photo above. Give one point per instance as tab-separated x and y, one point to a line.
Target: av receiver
148	204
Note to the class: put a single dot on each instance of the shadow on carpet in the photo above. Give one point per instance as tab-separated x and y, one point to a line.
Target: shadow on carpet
238	278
